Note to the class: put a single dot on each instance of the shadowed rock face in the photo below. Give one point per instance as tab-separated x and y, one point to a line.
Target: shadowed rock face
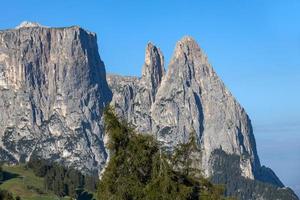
52	93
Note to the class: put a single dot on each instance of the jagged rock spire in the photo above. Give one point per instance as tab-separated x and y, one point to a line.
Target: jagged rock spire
137	96
153	69
188	53
193	98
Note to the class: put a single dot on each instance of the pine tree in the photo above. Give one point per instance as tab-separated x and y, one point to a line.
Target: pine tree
5	195
1	174
187	157
138	168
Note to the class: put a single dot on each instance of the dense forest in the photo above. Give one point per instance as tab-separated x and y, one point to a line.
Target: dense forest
228	172
64	181
139	169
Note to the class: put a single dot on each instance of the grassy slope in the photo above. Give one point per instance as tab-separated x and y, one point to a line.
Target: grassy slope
26	184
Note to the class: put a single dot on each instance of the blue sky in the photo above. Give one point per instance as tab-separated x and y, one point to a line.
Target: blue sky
253	45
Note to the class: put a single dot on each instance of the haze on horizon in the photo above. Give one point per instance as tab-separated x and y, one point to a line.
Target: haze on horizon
253	46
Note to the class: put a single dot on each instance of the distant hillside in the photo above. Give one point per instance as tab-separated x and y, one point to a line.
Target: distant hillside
22	182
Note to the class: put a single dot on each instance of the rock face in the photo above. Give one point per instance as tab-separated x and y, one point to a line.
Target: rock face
52	94
190	97
133	97
53	89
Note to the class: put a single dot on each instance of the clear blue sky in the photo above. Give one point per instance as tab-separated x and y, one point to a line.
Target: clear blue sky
253	45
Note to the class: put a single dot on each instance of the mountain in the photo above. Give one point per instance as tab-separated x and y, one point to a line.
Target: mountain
188	98
52	93
53	89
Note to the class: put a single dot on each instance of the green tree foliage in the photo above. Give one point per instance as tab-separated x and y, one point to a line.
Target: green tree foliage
138	169
63	181
39	166
1	174
5	195
186	157
227	171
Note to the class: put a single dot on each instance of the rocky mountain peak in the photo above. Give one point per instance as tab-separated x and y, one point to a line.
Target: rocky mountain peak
134	96
153	69
186	46
189	61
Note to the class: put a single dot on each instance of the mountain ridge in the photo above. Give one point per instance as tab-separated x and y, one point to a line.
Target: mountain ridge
56	81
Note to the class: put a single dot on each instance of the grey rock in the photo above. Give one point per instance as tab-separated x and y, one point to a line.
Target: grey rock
53	89
52	94
193	98
133	97
190	97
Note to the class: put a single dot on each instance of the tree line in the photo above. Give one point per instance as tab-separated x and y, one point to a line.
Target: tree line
4	194
63	181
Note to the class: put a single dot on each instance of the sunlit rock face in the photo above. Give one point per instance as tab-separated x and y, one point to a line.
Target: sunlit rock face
53	90
193	98
134	97
52	94
189	97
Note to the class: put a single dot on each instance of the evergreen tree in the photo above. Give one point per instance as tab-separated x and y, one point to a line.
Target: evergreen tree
91	182
1	174
5	195
187	157
138	169
61	180
39	166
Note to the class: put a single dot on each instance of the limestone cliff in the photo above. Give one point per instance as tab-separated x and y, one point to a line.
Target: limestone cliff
52	94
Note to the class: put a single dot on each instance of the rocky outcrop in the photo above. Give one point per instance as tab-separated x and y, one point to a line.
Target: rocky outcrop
133	97
53	89
190	97
52	94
